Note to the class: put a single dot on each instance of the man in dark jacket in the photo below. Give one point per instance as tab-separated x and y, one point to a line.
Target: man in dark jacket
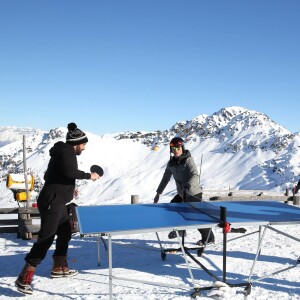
182	167
58	190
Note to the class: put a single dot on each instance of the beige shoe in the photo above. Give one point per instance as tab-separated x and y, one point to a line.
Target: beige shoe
60	268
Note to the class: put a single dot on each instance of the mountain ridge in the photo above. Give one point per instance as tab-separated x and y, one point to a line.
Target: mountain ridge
241	148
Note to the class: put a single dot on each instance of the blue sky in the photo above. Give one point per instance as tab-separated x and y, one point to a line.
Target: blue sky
118	65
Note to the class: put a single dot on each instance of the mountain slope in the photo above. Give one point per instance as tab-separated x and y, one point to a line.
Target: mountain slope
239	148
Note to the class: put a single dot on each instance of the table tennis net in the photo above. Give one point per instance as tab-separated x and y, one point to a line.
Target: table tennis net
203	206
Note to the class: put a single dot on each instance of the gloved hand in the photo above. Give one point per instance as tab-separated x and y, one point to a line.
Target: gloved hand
187	186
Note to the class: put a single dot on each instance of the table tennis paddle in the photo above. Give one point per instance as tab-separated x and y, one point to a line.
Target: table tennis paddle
97	169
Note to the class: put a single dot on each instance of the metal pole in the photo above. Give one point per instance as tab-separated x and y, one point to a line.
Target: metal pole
98	250
223	217
25	170
160	245
110	267
185	258
200	170
261	237
28	235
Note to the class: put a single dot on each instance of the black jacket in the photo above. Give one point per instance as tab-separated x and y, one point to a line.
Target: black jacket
61	174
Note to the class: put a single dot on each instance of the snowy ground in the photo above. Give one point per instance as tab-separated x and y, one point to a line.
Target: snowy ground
141	260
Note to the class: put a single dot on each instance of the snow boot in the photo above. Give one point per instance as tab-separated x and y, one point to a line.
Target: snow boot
24	279
203	243
173	235
60	268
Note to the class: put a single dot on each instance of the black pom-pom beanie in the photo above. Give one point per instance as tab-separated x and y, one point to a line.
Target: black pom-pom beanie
75	136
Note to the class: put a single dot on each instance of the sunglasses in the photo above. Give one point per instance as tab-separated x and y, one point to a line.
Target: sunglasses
175	148
176	144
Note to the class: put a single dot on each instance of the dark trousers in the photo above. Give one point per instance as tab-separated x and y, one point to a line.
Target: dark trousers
206	233
54	221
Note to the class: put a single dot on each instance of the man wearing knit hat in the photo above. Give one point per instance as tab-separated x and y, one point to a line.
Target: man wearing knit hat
58	190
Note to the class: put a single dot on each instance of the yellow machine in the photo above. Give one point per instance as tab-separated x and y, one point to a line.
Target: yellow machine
21	196
16	183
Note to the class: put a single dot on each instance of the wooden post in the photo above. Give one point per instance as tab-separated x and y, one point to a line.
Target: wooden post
134	199
24	219
26	227
296	200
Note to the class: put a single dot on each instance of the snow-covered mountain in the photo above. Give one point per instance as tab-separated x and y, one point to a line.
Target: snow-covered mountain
10	134
239	148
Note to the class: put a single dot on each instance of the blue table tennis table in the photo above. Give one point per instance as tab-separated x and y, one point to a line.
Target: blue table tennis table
113	220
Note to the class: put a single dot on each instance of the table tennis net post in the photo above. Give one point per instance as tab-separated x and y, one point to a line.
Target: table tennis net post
211	210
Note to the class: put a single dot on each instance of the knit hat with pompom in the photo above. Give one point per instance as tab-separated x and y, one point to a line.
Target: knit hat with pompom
75	136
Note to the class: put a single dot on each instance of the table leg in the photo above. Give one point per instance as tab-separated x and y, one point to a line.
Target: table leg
110	267
98	248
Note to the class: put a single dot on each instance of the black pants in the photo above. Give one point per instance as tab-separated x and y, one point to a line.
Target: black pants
54	221
205	231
